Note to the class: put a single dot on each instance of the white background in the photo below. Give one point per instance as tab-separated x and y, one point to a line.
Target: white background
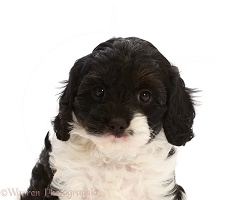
40	41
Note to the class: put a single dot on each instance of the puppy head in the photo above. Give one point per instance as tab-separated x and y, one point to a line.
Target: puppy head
125	91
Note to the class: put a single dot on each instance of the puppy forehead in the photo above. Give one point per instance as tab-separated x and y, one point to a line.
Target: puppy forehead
126	74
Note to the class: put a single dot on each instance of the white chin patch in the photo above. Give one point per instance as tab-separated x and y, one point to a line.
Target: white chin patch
124	146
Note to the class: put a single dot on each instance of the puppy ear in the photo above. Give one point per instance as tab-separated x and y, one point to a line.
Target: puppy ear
180	114
61	121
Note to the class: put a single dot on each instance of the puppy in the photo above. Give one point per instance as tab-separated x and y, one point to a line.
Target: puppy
122	112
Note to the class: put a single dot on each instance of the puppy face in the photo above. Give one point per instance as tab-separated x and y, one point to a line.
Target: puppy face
125	90
112	93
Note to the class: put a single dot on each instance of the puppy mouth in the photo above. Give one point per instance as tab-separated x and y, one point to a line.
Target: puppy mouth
112	138
123	134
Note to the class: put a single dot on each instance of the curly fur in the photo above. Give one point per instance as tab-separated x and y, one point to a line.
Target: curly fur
122	112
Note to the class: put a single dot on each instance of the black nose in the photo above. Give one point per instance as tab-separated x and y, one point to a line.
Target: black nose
117	126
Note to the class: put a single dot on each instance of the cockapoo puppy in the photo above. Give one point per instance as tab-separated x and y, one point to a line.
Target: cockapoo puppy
122	112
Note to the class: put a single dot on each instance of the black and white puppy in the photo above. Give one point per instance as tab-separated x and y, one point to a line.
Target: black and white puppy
121	114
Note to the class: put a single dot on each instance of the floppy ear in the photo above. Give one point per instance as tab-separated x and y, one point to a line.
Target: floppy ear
180	114
61	121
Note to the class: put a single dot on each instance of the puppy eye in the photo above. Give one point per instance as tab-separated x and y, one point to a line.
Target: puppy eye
98	92
144	96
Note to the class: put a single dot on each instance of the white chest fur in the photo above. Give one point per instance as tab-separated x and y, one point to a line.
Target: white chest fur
84	172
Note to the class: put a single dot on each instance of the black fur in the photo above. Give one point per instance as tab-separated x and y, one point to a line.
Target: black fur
172	152
41	177
180	114
105	88
177	192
